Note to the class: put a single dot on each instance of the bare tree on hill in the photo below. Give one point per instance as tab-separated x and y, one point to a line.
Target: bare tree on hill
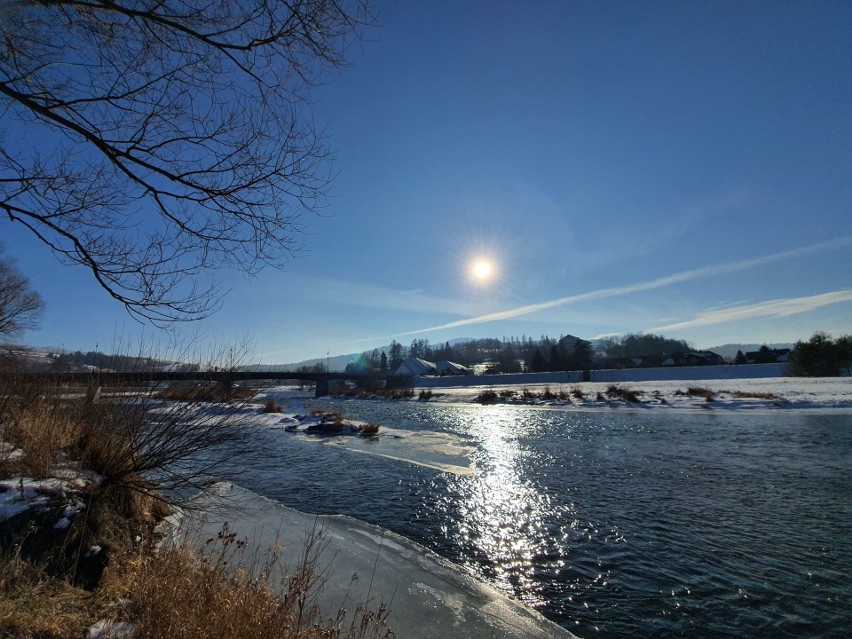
154	141
20	307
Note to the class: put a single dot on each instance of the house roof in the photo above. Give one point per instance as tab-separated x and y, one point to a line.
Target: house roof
445	366
415	366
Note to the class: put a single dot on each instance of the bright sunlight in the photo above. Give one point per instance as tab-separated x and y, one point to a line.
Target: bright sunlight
482	270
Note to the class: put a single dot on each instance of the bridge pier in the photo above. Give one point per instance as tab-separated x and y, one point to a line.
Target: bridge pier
321	389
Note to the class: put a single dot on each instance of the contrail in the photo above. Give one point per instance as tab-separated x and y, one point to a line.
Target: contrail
677	278
772	308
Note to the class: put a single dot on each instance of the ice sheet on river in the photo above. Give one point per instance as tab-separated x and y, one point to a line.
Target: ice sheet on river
428	596
440	451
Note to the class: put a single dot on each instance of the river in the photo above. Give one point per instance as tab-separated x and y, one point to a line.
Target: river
612	523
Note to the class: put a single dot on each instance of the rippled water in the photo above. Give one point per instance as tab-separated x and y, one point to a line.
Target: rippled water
612	524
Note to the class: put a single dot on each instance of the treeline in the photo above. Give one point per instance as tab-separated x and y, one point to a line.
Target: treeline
643	345
507	355
822	356
520	354
77	361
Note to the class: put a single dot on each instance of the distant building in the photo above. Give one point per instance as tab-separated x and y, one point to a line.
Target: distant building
694	358
768	356
444	367
412	366
569	342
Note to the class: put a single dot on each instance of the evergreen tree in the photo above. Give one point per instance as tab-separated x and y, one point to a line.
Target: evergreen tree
581	358
396	355
764	355
821	356
537	364
555	362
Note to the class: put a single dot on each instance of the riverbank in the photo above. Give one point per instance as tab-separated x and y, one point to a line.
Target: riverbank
829	393
426	596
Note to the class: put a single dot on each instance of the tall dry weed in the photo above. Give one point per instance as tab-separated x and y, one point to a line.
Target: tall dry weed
230	591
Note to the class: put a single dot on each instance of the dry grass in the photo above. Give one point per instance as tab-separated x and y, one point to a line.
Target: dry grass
36	605
361	393
487	396
708	394
179	593
230	592
613	391
368	429
176	593
40	432
206	393
754	395
271	406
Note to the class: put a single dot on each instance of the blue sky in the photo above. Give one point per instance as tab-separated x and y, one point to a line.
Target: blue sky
681	168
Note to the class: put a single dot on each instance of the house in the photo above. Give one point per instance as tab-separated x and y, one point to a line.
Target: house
415	366
569	342
444	367
694	358
768	356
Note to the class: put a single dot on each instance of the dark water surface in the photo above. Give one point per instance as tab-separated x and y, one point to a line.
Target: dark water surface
612	524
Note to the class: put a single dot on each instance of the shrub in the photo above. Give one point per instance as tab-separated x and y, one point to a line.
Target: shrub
577	393
229	591
487	397
626	394
425	395
754	395
368	429
271	406
201	392
699	391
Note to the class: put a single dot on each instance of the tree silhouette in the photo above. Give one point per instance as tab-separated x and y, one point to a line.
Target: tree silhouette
20	307
153	142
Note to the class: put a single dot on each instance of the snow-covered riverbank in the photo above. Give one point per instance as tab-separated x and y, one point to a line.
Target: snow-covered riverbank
428	596
766	393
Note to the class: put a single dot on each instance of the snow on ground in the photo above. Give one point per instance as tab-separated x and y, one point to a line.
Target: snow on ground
766	393
362	563
19	494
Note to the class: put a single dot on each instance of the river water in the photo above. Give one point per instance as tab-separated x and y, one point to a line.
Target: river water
648	523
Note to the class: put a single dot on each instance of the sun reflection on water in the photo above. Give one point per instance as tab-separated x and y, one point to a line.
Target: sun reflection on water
509	525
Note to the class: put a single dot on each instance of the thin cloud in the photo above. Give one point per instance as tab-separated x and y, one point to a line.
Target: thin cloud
772	308
335	291
618	291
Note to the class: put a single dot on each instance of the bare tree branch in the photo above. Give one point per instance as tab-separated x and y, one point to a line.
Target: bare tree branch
154	142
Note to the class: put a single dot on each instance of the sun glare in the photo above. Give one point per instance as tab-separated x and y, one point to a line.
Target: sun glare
482	270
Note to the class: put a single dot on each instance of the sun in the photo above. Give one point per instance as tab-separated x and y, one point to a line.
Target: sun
482	269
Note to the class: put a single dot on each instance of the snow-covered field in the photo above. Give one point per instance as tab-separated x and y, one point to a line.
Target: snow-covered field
768	393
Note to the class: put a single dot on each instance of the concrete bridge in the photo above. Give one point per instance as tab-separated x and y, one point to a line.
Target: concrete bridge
95	380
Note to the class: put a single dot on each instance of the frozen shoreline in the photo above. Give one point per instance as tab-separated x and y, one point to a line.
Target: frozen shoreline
830	393
428	596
